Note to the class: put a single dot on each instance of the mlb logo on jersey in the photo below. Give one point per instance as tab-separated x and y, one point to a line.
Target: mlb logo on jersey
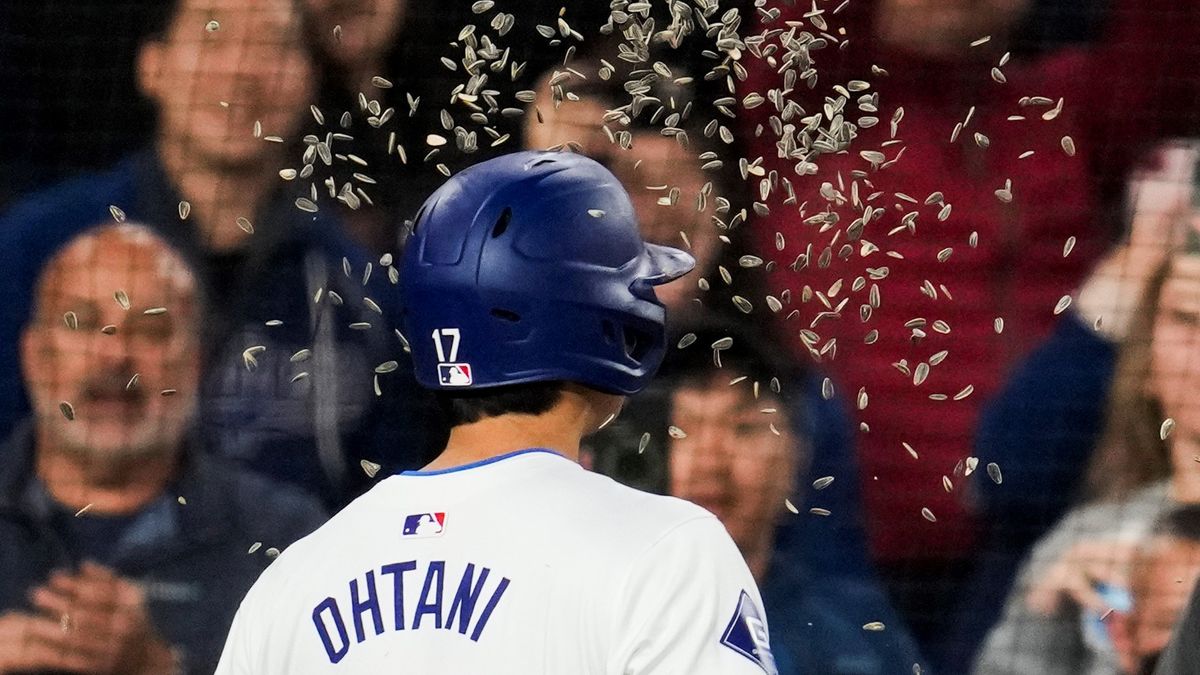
424	525
454	374
746	634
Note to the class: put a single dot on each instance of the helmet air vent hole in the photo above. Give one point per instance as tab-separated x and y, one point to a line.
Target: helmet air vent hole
502	222
637	344
505	314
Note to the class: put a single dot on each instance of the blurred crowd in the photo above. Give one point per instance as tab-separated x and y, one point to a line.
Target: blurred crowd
202	203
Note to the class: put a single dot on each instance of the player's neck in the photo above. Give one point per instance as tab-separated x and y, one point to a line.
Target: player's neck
497	436
560	429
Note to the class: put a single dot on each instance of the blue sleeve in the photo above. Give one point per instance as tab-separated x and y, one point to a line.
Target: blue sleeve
1043	425
837	542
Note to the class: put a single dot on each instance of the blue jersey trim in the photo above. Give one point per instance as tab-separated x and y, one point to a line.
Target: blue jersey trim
482	462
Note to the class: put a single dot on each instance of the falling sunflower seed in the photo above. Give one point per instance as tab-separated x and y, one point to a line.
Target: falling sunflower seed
387	367
993	471
1167	427
790	506
675	432
643	442
816	511
928	515
1063	303
72	320
68	410
117	214
212	26
822	482
122	299
874	626
1068	146
370	468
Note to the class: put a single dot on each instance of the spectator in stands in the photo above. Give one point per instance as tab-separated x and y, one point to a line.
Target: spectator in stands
124	549
1144	467
1045	422
739	440
359	46
998	251
662	175
302	330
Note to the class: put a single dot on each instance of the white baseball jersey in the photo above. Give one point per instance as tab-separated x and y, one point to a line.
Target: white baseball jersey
521	564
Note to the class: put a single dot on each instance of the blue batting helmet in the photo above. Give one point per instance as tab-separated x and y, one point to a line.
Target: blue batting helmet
528	268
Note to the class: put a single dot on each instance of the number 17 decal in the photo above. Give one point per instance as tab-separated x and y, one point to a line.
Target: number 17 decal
454	336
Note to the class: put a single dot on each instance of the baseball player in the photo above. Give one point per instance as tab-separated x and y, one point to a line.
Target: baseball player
530	309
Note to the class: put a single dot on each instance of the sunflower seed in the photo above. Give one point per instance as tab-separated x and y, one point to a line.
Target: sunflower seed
212	26
168	392
827	389
1063	303
643	442
971	463
874	626
947	485
928	515
993	471
862	398
386	367
980	41
910	450
1068	146
72	320
245	225
184	209
155	311
370	468
596	213
110	329
381	83
723	343
272	552
687	340
743	304
998	76
1167	427
305	204
966	391
790	506
920	373
87	507
819	511
122	299
68	410
675	432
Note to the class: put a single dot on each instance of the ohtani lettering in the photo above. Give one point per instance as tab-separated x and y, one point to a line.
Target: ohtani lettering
361	614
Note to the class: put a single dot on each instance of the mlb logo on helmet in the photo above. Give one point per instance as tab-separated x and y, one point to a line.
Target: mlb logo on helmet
746	634
454	374
424	524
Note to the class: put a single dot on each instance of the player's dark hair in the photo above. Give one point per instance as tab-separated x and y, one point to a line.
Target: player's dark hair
467	407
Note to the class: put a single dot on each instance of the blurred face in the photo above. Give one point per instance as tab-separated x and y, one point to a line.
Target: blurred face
1175	357
1163	577
255	62
369	28
90	369
654	160
945	28
730	462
